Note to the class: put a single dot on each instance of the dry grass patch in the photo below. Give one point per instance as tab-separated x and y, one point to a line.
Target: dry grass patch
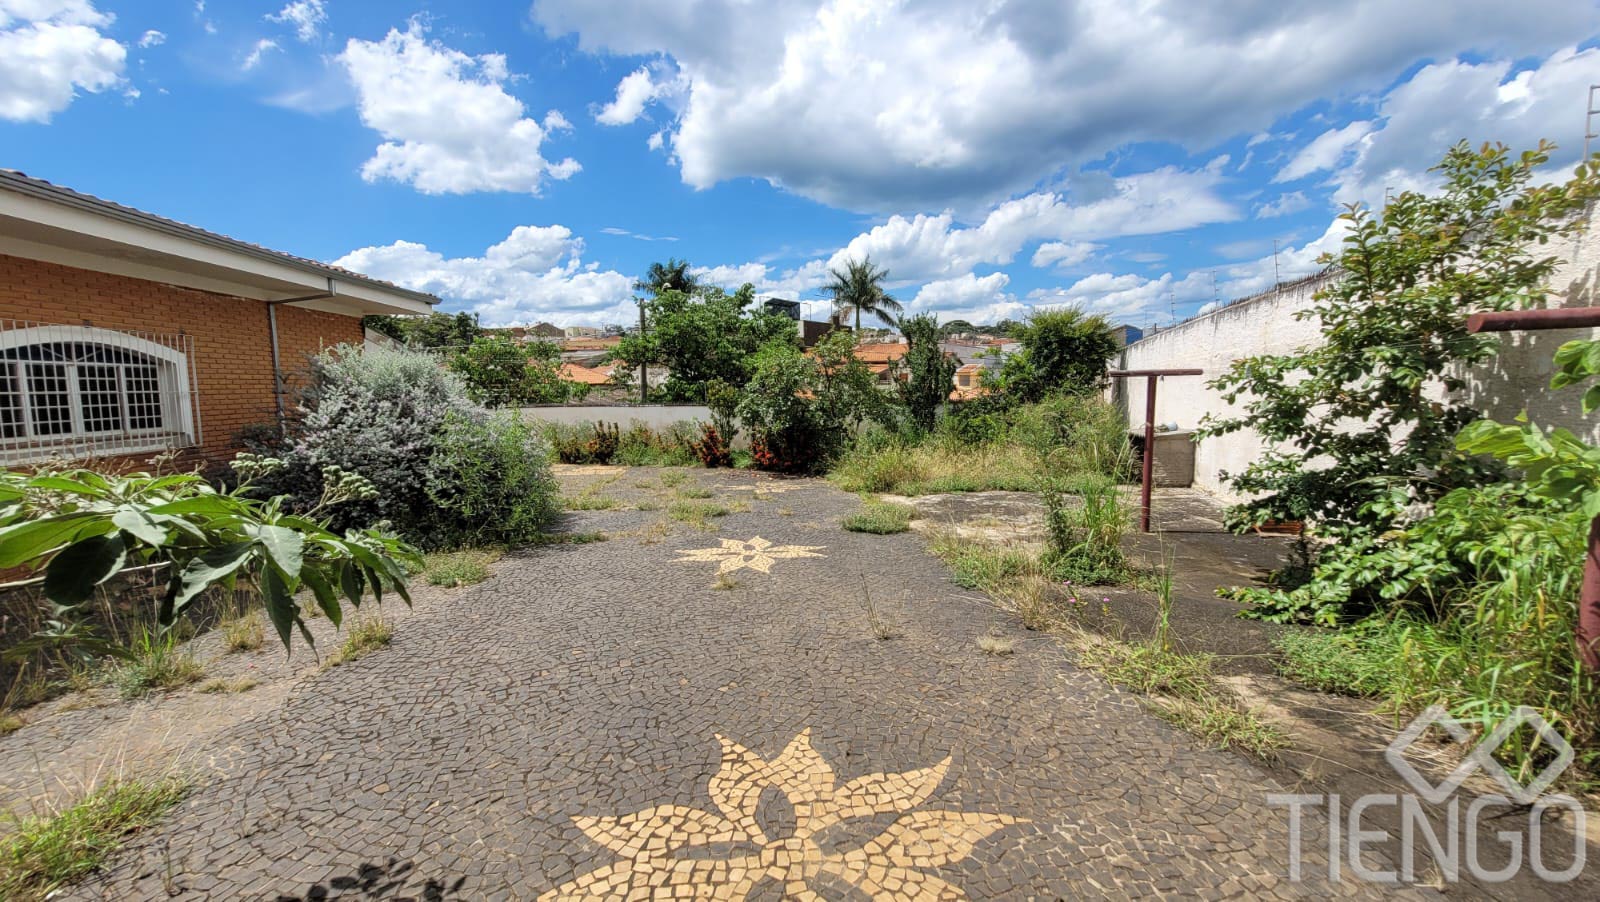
366	635
220	686
10	723
245	631
996	645
936	468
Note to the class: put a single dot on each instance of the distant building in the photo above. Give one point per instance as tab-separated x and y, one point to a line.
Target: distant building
968	381
1126	334
581	332
788	308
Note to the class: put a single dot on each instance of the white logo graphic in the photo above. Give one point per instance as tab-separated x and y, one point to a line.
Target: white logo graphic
1459	843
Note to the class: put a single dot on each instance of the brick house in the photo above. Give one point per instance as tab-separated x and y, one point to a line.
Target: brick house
124	335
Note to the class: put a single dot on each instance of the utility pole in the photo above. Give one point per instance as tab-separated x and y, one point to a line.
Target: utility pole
1276	279
1588	120
644	368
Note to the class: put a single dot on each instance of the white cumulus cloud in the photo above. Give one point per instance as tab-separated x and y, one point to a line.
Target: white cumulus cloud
305	16
448	124
536	273
1324	152
633	92
49	51
1486	101
890	105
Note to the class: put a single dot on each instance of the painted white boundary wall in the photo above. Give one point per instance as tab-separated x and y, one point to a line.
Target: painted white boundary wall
1517	379
656	416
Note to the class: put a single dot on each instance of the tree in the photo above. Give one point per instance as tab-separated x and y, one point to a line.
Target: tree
673	275
800	410
436	330
1062	350
1379	401
929	383
700	337
499	372
859	289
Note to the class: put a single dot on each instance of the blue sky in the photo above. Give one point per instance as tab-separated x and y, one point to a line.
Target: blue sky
528	161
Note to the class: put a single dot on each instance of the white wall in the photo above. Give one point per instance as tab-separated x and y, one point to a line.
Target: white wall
1518	378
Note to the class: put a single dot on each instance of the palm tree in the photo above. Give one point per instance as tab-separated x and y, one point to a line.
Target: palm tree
860	289
673	275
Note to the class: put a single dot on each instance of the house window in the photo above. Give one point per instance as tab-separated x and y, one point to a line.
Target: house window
74	391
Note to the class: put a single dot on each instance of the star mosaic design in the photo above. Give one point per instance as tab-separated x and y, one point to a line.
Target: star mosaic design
730	854
757	554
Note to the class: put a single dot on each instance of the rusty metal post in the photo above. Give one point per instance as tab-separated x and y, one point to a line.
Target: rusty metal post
1148	477
1588	626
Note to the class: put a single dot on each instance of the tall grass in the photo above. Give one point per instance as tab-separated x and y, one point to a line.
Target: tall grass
44	853
1069	438
1488	629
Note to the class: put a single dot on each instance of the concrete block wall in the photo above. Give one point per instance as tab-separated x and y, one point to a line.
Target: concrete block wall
1517	379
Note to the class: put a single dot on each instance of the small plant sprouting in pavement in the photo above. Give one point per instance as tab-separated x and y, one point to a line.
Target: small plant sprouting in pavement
880	518
725	583
366	635
696	513
453	569
883	629
49	851
230	687
996	645
157	661
245	631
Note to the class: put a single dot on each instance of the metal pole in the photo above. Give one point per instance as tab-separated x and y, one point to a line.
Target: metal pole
1149	452
644	368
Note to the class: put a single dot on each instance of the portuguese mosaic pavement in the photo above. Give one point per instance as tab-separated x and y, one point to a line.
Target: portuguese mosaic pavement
604	721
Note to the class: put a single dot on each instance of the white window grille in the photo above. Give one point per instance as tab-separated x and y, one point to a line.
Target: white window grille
72	392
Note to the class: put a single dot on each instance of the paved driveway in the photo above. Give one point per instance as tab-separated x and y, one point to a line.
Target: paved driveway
709	713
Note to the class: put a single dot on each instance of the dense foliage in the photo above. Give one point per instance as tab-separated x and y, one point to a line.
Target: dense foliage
431	332
1063	350
701	336
637	446
1378	400
929	372
447	471
501	372
83	528
802	410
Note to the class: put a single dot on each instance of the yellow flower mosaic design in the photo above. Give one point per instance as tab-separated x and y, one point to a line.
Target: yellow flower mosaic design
891	865
756	554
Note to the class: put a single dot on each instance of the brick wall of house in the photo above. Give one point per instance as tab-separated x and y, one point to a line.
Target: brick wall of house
232	346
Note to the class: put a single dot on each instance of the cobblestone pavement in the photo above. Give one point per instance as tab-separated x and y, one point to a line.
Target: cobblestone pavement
708	711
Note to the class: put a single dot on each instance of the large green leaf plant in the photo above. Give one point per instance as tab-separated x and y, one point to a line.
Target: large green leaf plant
82	528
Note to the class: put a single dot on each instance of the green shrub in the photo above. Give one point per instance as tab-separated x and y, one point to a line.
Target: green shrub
83	529
490	477
1085	538
440	462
